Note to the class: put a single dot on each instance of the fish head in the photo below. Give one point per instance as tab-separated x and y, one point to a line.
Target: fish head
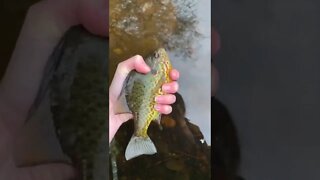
161	62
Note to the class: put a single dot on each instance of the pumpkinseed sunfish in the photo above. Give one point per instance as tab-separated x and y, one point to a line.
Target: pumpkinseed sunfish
139	93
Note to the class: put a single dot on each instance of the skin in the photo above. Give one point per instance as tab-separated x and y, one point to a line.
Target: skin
45	24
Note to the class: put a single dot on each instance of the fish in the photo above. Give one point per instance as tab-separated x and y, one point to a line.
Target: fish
139	93
78	104
67	121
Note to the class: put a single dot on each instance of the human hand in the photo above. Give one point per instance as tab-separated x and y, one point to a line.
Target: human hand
124	68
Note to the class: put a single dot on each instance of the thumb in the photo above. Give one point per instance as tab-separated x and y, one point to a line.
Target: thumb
122	71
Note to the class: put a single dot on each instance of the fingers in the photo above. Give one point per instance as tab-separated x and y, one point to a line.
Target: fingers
135	62
174	74
171	87
124	68
166	99
163	103
163	109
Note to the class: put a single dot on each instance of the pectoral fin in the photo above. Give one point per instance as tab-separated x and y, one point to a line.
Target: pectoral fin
121	105
37	142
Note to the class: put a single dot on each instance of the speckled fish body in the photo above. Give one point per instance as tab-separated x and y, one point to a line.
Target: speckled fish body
78	103
141	91
67	120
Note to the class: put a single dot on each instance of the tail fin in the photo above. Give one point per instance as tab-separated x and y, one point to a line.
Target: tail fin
139	146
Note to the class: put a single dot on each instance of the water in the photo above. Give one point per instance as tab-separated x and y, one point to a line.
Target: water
141	26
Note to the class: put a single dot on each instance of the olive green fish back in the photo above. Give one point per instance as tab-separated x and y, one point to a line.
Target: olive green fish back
79	104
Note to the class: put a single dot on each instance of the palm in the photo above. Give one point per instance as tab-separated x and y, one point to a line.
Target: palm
9	171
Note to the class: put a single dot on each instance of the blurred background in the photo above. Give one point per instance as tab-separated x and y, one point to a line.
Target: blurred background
270	81
195	75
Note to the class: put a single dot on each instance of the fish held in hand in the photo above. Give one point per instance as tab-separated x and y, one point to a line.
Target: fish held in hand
138	97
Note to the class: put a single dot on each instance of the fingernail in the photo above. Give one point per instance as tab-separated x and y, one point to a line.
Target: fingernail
166	88
156	98
157	107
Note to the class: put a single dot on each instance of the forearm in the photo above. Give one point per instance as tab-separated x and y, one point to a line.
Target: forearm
43	28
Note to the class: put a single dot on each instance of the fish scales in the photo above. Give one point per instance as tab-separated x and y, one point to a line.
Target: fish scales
78	103
141	91
144	93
